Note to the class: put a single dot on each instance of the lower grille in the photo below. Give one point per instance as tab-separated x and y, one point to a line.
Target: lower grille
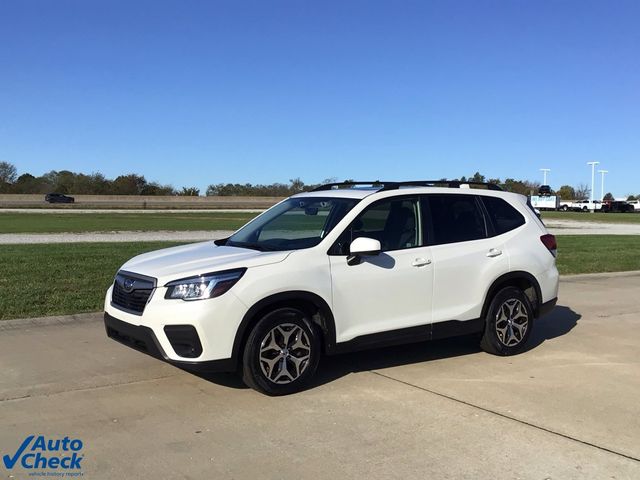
133	342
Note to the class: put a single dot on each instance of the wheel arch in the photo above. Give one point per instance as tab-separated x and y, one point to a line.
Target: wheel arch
310	303
519	279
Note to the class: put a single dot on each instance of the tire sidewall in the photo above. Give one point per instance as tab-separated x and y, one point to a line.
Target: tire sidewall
252	372
490	321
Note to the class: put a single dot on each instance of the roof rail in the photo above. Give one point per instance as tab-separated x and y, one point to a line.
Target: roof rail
441	183
412	183
349	184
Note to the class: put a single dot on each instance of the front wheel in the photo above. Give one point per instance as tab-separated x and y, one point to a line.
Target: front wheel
282	353
508	322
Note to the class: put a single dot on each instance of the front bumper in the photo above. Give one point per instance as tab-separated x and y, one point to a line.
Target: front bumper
143	339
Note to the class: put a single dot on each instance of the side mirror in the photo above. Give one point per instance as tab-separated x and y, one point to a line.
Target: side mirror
362	246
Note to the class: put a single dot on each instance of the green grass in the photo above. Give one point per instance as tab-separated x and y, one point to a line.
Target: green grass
57	279
108	222
598	253
593	217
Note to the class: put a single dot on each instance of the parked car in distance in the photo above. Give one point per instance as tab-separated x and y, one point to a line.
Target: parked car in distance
617	207
344	267
544	190
635	204
58	198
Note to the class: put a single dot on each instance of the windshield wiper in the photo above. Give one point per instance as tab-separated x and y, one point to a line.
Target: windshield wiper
253	246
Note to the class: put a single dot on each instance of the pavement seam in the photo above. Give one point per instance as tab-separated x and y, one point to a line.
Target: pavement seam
85	389
508	417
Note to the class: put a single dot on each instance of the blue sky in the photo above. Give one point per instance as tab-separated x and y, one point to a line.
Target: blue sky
200	92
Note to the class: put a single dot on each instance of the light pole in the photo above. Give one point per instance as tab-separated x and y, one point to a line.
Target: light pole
593	175
545	170
602	172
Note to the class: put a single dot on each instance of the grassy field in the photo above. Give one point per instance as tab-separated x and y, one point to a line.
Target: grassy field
56	279
593	217
105	222
598	253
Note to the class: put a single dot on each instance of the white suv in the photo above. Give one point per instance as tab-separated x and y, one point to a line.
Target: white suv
341	268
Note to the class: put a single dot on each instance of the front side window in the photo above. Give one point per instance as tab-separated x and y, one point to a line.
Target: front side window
455	218
293	224
394	222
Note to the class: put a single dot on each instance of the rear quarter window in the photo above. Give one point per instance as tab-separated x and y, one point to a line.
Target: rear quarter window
502	215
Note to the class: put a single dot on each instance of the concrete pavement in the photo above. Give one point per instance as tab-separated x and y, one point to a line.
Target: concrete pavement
566	408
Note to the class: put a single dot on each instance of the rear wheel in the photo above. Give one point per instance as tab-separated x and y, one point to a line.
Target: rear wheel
508	322
282	353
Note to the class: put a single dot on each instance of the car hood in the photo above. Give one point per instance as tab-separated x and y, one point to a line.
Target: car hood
175	263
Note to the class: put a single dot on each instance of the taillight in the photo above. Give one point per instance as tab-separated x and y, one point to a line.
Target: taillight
550	242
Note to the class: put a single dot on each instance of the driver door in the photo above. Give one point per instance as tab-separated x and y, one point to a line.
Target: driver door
388	291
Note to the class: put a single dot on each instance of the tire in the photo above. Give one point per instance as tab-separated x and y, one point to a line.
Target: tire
504	337
565	208
282	353
585	209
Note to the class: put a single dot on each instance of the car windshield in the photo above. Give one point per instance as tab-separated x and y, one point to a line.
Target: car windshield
293	224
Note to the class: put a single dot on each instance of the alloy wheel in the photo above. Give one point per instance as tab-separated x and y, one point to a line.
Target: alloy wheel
512	321
284	353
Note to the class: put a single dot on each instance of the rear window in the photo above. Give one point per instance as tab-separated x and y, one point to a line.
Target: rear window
502	215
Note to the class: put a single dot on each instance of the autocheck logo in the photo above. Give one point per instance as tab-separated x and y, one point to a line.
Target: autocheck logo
61	455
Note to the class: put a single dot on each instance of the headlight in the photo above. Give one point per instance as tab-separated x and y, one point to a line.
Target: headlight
209	285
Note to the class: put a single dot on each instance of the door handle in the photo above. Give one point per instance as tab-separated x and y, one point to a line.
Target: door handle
421	262
494	252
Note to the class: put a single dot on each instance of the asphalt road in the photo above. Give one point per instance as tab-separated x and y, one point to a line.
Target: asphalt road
567	408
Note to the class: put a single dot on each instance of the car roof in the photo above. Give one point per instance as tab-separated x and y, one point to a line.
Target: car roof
360	193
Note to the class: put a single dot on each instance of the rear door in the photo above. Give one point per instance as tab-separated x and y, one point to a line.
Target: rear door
466	258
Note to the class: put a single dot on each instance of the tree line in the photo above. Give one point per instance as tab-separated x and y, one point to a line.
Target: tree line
68	182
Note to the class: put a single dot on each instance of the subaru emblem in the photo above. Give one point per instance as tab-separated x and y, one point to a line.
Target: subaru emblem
128	284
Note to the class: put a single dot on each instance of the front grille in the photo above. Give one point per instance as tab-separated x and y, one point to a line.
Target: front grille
131	292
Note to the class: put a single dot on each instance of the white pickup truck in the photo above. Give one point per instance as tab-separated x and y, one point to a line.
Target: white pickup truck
580	205
636	205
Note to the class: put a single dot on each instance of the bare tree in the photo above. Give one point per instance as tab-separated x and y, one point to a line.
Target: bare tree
582	192
8	172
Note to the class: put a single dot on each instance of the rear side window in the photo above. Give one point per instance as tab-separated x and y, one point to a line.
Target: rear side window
455	218
502	215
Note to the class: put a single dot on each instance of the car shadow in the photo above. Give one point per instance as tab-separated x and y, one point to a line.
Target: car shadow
559	322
